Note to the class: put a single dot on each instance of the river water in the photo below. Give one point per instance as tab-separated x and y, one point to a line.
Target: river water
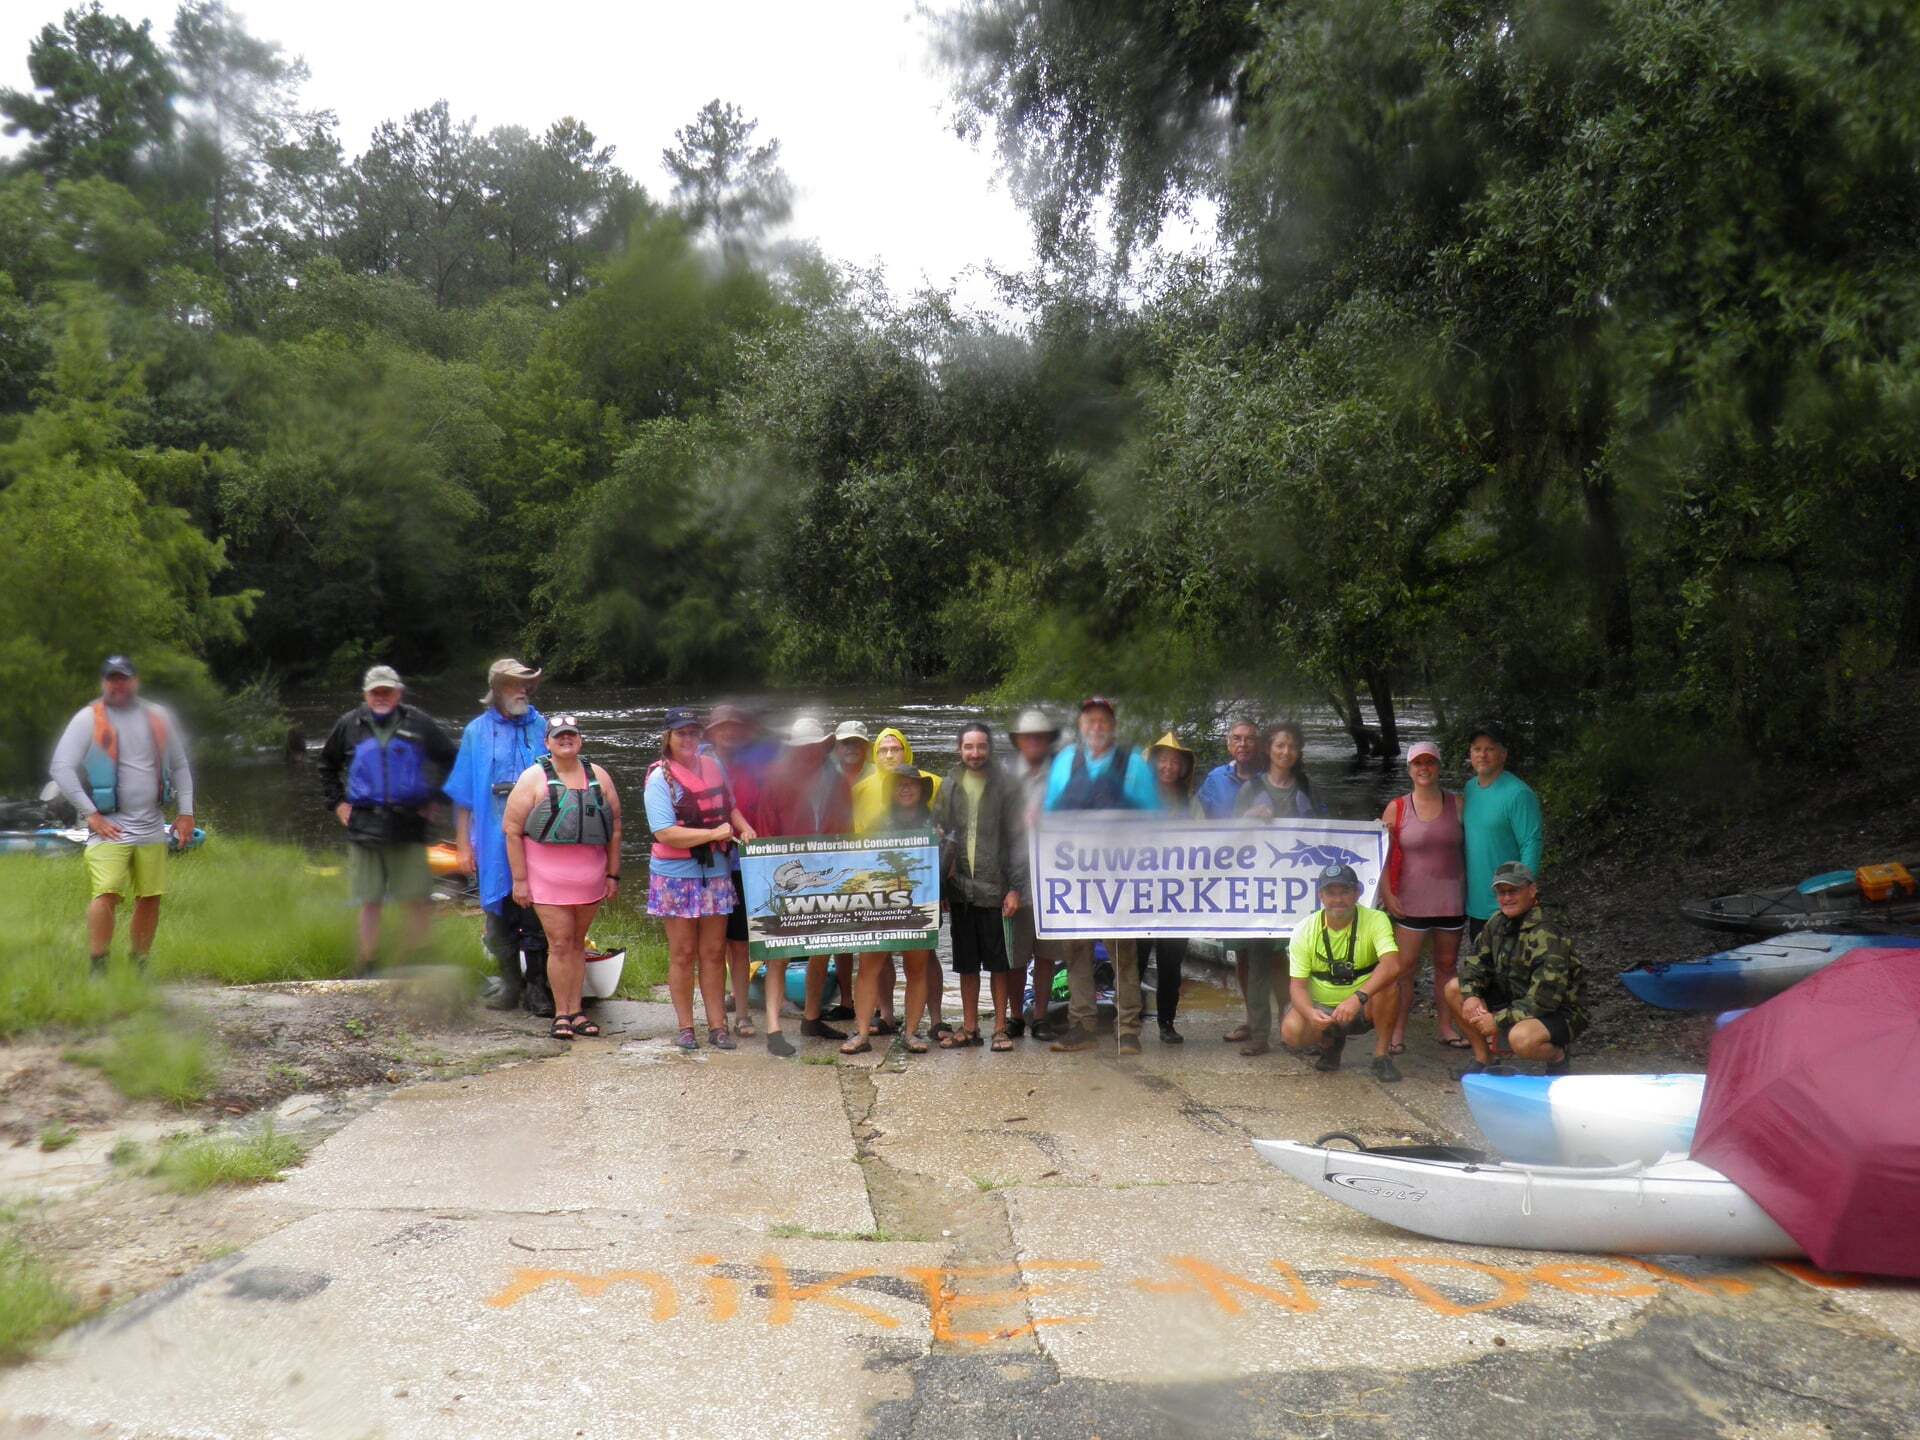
272	797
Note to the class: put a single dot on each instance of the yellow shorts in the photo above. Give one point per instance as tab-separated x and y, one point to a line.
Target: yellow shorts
111	869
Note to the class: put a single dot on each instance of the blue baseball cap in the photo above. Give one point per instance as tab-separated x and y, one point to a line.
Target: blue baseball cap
117	665
682	717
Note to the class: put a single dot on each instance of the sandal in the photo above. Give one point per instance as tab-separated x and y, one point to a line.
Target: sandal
1002	1040
1237	1034
685	1039
562	1028
1456	1042
583	1026
950	1040
883	1027
915	1045
1397	1047
856	1047
719	1039
970	1038
744	1029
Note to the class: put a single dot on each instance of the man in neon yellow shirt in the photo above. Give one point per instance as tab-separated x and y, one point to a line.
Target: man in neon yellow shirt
1343	962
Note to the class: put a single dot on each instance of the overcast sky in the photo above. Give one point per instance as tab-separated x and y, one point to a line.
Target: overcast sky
847	87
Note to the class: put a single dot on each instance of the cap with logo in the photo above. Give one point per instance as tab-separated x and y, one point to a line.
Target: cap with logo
1512	876
1336	875
563	725
680	717
381	677
1097	702
117	665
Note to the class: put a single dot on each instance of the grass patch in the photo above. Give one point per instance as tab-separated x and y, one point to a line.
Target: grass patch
57	1136
148	1060
625	923
983	1184
871	1237
192	1166
239	912
33	1303
831	1058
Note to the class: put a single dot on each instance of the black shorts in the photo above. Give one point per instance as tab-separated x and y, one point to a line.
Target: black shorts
737	917
1559	1031
979	939
1431	922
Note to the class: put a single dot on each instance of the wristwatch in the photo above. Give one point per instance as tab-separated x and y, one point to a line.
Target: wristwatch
1362	996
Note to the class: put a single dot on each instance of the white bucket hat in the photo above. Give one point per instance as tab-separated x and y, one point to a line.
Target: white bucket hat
806	730
852	730
1034	721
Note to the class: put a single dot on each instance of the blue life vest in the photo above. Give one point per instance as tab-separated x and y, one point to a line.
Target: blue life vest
393	775
1105	791
102	763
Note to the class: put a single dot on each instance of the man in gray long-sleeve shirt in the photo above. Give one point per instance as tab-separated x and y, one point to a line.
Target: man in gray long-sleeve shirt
120	762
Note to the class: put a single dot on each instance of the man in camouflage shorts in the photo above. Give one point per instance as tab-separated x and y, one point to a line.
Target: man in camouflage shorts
1521	978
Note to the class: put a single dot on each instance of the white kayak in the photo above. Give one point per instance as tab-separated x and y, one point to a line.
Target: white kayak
1585	1119
1675	1207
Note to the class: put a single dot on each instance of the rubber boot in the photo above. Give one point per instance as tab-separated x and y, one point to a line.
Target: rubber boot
503	991
535	996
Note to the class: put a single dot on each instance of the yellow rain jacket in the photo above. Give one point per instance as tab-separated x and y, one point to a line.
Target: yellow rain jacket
871	799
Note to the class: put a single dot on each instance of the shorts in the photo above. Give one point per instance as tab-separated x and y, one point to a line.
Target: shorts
113	869
388	872
979	939
1424	923
675	898
1559	1028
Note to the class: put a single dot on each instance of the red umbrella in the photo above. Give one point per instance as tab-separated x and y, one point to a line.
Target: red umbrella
1811	1109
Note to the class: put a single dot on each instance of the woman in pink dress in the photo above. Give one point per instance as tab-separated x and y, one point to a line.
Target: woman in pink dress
563	845
1424	887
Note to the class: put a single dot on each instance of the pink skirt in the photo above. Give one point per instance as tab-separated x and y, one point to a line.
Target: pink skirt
566	874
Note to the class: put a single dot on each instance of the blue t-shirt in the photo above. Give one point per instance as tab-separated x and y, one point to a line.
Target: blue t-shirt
494	750
1219	790
659	798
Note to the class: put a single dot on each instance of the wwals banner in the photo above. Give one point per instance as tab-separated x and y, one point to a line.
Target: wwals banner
1113	873
830	894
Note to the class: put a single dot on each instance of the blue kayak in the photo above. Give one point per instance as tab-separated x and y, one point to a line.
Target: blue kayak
1585	1120
50	841
1748	974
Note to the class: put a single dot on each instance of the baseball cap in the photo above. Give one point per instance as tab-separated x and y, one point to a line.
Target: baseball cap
852	730
563	725
680	717
1423	750
1100	702
380	676
1336	875
117	665
1512	876
1492	729
726	713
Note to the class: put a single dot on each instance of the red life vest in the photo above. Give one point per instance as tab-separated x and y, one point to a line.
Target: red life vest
700	802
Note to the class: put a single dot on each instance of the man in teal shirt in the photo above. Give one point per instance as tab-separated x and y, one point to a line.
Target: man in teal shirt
1501	818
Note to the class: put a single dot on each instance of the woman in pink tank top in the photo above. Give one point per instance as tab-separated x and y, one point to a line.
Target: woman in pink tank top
1424	887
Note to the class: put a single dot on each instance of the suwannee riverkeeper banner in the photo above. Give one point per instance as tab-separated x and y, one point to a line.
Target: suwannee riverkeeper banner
1100	874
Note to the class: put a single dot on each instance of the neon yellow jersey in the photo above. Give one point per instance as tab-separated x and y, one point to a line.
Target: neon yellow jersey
1371	939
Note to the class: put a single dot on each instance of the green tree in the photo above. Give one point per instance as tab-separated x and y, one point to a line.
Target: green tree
728	188
101	102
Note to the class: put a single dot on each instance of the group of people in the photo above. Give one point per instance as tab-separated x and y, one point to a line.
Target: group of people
539	827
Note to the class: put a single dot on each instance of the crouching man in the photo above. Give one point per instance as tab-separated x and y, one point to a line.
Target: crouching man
1343	968
1521	980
